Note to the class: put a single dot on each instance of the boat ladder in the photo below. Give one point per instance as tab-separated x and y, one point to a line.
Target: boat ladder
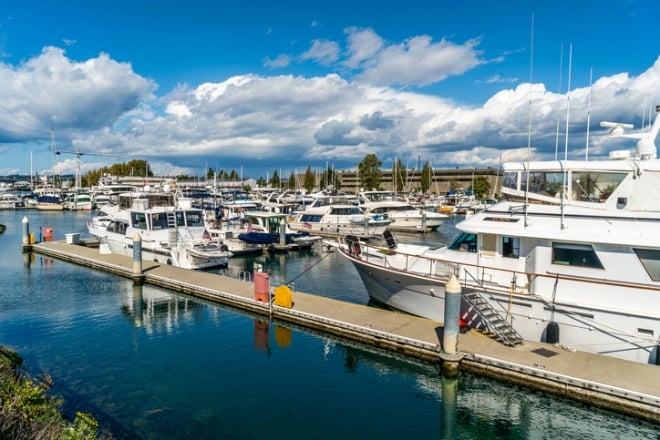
492	319
171	227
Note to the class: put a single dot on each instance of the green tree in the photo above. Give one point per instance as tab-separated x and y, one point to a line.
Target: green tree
131	168
275	180
292	181
399	175
210	173
233	176
481	186
426	178
308	181
369	172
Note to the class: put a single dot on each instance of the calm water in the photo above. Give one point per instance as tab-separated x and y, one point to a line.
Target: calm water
152	364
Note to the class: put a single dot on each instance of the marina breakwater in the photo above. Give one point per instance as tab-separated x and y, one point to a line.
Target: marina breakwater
622	386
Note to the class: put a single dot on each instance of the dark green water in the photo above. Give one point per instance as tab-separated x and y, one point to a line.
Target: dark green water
151	364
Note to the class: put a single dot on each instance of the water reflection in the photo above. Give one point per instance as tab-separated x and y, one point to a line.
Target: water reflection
157	310
153	364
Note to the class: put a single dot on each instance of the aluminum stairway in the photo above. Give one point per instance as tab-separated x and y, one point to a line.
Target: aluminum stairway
490	317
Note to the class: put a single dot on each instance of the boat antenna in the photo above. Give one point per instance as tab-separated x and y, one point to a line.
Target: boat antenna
568	109
529	116
586	152
561	67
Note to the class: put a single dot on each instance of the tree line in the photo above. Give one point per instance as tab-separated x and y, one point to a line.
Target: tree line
369	173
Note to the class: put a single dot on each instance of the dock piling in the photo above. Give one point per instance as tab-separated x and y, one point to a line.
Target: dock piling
450	355
138	273
27	246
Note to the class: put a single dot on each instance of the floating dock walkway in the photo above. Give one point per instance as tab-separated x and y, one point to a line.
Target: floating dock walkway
622	386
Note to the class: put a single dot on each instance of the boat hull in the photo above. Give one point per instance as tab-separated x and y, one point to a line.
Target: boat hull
580	328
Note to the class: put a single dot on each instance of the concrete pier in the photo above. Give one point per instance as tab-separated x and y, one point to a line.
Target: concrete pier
627	387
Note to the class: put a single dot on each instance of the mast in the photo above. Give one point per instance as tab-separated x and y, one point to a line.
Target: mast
586	151
529	117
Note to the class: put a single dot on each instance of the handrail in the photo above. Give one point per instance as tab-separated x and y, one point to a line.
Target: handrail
479	267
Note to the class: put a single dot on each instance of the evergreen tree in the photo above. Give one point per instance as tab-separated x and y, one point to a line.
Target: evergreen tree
426	178
292	181
308	182
369	172
399	175
275	180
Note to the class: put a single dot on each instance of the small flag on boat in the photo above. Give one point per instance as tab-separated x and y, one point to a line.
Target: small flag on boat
249	227
308	225
206	235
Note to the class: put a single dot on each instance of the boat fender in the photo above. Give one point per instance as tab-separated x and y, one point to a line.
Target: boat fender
552	333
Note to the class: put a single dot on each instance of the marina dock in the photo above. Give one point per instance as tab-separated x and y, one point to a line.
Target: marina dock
622	386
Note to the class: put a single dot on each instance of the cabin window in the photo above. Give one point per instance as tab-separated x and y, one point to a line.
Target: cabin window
573	254
139	220
465	242
511	247
650	259
594	187
194	218
510	180
312	218
159	221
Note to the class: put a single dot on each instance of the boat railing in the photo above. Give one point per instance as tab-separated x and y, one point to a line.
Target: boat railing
493	279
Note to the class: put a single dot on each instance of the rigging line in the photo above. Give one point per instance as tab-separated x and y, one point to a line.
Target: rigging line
307	270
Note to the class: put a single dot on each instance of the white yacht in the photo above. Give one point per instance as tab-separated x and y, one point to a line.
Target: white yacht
9	200
571	258
78	201
170	233
338	216
404	216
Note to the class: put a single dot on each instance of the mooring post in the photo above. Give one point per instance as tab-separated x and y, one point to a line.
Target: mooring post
450	354
138	274
282	233
27	246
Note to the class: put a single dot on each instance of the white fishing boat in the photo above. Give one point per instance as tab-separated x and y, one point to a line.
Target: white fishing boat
571	258
170	234
338	216
404	216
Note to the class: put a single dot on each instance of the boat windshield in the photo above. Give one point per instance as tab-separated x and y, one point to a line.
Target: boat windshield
585	186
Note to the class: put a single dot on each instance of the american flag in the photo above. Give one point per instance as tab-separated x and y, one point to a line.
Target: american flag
308	225
206	235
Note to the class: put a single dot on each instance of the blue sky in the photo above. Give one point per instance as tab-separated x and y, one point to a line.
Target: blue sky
263	86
